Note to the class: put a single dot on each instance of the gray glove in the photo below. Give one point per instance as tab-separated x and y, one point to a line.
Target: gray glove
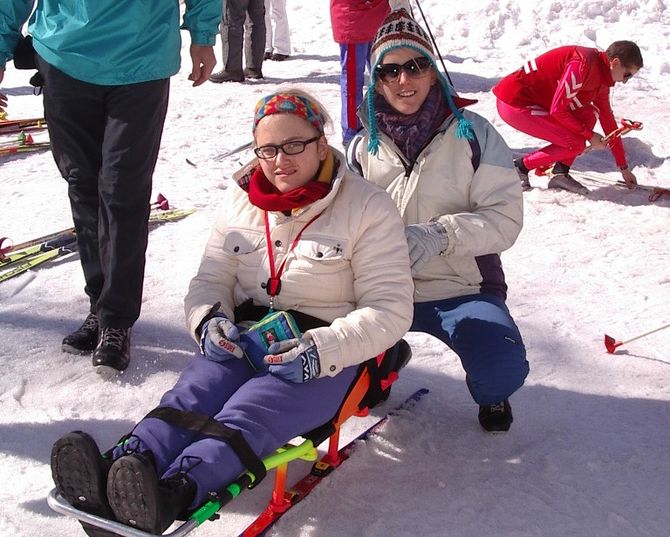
425	241
220	340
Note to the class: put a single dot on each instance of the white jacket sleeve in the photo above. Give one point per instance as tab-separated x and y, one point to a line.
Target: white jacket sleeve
495	217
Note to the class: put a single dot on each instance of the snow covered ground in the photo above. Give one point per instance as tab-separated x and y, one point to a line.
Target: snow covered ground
588	452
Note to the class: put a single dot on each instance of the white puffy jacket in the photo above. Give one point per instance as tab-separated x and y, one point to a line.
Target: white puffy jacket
350	267
471	187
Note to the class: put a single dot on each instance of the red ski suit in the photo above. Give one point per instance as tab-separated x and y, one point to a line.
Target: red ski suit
569	86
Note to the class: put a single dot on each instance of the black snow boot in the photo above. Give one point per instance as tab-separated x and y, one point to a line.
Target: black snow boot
141	500
84	339
497	417
80	474
113	351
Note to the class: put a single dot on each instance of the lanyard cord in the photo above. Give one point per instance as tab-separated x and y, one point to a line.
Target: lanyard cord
273	285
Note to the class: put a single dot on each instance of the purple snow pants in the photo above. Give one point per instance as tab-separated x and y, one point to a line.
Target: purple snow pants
267	410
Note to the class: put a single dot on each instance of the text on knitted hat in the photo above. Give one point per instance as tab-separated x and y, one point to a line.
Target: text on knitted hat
289	103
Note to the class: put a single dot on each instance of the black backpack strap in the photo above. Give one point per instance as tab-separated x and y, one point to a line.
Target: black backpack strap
200	423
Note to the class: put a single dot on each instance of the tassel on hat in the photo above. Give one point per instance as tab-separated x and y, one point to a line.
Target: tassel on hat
400	30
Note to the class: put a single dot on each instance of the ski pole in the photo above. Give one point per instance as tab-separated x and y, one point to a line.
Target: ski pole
233	151
611	344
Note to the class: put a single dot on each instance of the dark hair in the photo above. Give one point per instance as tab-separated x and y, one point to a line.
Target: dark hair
628	53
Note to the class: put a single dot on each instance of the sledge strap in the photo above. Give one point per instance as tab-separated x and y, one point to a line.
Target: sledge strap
200	423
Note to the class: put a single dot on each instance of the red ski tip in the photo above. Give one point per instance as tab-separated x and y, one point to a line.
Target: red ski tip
611	344
162	202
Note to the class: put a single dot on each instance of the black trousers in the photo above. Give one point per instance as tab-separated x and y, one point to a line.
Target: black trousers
235	15
105	142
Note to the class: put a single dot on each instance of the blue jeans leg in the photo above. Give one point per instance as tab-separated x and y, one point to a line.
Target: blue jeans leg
481	331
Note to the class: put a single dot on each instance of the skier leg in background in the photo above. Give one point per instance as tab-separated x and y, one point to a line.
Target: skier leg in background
565	145
354	27
242	35
354	58
277	32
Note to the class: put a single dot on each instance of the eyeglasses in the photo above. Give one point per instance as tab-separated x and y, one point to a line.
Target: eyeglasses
294	147
415	68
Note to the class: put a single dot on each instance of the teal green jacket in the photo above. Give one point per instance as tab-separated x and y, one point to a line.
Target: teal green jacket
109	42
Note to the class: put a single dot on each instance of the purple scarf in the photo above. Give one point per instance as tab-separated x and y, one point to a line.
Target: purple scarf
411	132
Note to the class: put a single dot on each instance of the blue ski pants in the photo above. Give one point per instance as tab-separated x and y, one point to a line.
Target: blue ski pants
481	331
268	410
353	60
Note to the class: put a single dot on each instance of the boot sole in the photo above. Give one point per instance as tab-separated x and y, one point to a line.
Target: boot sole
74	350
107	372
132	490
79	479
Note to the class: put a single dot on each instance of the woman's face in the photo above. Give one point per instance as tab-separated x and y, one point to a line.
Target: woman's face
407	91
287	172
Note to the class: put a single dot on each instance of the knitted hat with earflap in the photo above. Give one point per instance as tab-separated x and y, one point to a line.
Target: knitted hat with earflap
400	30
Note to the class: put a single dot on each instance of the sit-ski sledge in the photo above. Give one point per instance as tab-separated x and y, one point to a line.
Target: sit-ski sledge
371	387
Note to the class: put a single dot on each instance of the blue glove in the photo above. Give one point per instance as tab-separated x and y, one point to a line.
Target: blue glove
219	340
425	241
296	360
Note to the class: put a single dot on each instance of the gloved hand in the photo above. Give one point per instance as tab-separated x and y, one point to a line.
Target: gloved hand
219	340
425	241
296	360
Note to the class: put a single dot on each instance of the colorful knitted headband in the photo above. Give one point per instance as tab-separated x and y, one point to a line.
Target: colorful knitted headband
400	30
290	103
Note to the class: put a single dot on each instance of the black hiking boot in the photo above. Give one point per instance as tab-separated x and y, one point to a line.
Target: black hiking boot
141	500
497	417
80	474
523	174
84	339
113	351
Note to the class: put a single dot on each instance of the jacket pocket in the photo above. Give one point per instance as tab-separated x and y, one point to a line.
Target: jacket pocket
326	250
241	242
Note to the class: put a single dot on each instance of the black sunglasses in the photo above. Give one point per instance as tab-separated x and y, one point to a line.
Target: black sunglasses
414	68
294	147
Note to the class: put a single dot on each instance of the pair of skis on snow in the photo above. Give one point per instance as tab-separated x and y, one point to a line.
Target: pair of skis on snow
20	258
10	126
655	192
268	517
24	142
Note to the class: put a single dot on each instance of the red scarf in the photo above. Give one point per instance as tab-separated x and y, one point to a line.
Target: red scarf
264	195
